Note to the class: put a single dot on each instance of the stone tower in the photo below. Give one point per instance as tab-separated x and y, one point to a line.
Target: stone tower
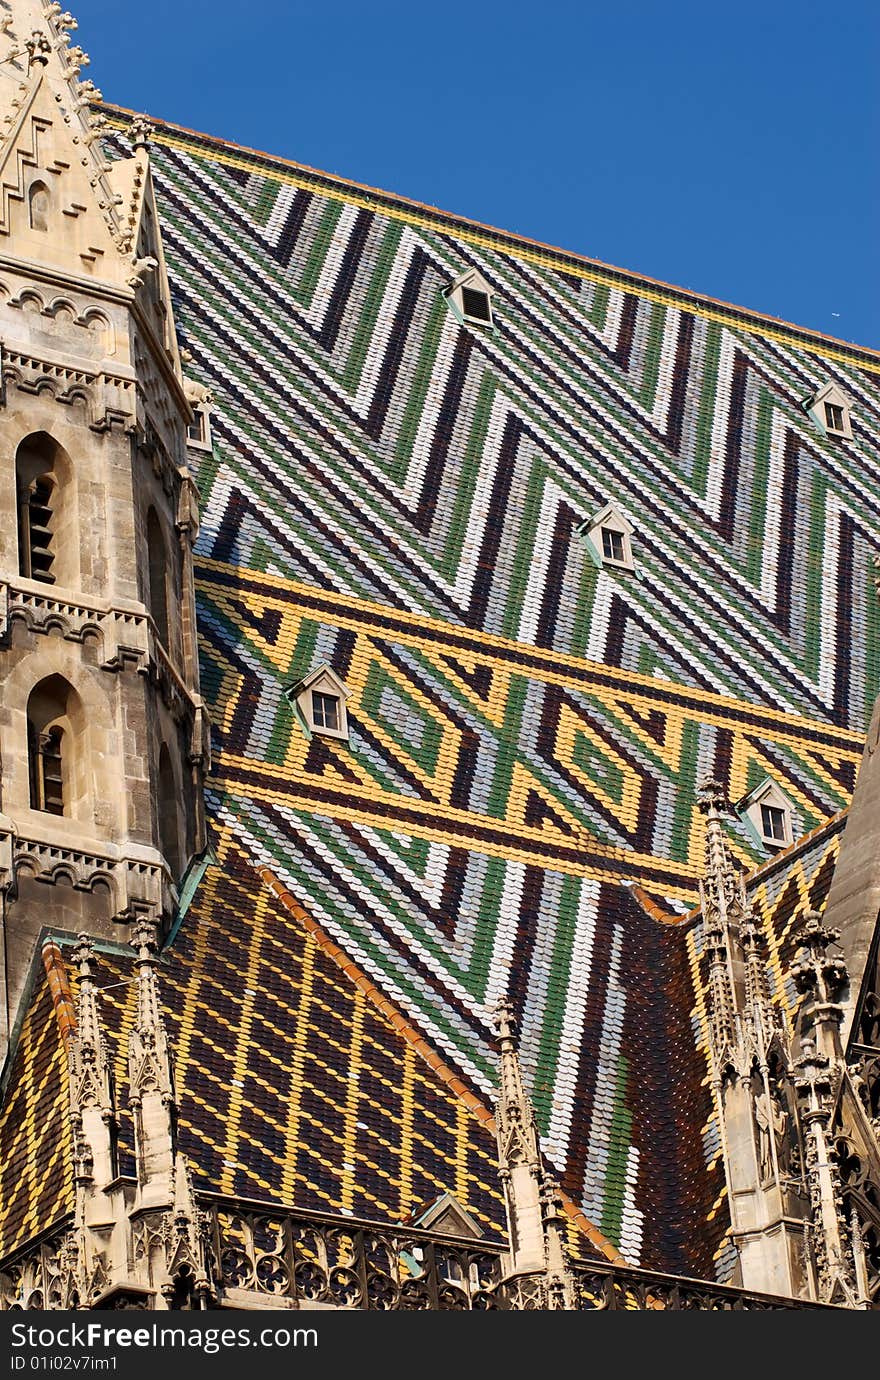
103	740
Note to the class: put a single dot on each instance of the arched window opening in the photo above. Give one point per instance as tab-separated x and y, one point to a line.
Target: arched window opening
158	575
47	539
169	813
54	723
38	206
47	773
35	529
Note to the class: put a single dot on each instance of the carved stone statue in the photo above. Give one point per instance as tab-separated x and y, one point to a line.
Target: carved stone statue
772	1119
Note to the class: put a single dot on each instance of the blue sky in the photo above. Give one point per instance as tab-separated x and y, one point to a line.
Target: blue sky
730	149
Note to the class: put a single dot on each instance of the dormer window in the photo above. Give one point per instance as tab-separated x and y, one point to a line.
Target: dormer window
830	409
612	546
475	305
470	297
768	811
319	703
609	534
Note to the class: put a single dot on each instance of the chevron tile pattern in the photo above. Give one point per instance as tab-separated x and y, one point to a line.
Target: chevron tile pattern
464	737
368	443
403	496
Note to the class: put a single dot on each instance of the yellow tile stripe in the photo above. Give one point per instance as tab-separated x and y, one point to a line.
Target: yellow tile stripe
243	1040
549	667
349	1135
513	846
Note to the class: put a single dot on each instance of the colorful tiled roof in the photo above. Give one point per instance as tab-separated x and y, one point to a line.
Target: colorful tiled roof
402	496
293	1087
36	1166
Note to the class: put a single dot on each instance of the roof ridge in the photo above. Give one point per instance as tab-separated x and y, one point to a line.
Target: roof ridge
569	259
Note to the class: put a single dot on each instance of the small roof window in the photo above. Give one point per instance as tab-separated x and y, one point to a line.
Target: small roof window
319	701
470	296
769	812
198	433
610	536
831	410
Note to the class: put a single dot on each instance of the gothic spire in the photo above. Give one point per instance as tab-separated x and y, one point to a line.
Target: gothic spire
91	1083
717	898
149	1058
741	1012
822	977
151	1077
515	1119
535	1221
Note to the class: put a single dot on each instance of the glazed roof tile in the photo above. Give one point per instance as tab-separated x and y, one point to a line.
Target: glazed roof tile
403	496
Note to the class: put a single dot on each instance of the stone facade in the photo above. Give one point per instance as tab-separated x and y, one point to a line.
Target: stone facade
98	514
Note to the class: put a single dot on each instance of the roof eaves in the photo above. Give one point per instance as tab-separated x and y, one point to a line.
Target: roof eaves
737	317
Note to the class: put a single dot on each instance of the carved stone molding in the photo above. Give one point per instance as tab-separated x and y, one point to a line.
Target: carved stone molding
122	632
135	886
127	638
109	399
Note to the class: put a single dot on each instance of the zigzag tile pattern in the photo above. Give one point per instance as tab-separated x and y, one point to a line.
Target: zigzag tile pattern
462	738
368	443
376	460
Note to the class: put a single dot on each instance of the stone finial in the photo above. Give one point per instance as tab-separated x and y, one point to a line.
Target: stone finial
711	796
38	49
140	133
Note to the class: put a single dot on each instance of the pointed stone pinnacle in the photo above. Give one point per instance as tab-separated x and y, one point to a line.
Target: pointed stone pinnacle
505	1023
83	954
